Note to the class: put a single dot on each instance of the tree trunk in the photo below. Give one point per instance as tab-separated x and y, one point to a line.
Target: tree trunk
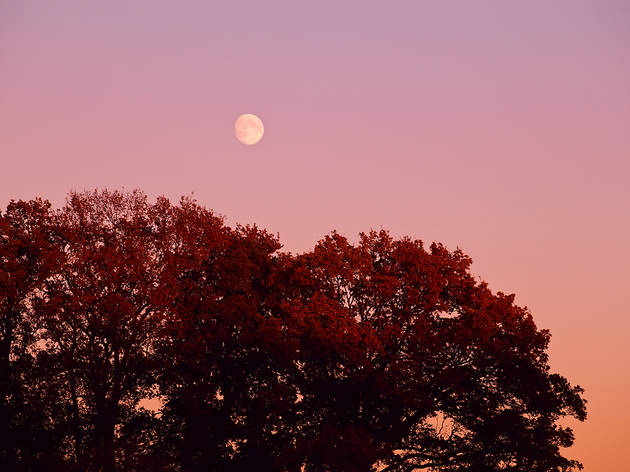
6	448
105	425
77	437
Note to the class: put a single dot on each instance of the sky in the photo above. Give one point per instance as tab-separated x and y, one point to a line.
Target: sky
501	128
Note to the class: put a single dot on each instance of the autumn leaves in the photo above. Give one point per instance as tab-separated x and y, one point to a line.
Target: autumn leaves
336	359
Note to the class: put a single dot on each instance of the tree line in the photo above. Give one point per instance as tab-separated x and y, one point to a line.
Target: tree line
379	355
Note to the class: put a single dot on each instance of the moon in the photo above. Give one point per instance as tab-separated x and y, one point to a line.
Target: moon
249	129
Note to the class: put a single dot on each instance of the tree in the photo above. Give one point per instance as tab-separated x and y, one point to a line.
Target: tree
381	355
100	312
224	346
27	256
436	346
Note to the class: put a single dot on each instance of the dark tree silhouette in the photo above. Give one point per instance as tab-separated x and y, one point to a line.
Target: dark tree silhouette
381	355
222	383
27	256
100	313
448	377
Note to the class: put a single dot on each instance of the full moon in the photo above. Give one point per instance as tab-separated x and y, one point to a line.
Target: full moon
249	129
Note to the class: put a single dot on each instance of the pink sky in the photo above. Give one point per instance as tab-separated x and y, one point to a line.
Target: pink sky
498	127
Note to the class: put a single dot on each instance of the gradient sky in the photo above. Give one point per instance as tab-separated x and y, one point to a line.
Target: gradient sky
502	128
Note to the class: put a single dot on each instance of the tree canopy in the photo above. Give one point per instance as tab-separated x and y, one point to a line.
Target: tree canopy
149	336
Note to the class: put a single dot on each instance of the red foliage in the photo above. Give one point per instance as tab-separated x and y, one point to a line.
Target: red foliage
349	357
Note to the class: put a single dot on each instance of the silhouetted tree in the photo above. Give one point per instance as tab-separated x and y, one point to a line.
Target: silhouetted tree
381	355
452	377
223	346
27	256
100	313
